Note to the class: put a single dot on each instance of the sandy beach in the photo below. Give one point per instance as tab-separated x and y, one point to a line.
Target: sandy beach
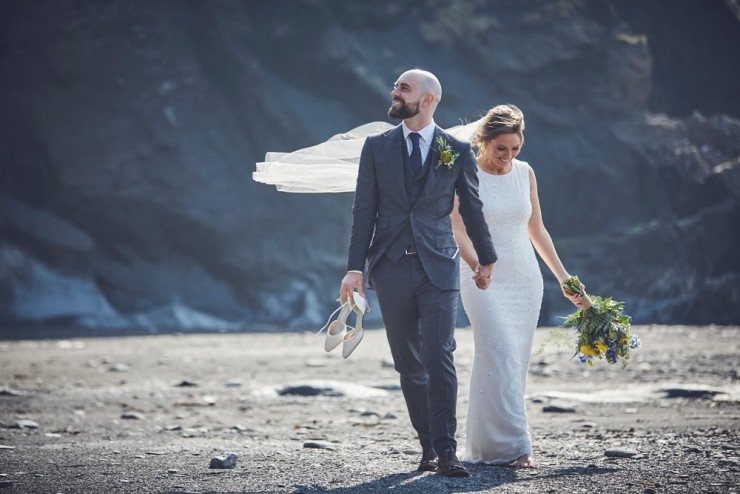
148	413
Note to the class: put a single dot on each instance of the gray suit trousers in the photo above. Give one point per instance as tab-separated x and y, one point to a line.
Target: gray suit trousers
420	322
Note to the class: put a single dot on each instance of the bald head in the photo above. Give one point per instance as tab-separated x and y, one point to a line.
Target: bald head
416	95
428	83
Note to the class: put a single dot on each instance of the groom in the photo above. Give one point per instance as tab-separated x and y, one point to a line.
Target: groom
406	186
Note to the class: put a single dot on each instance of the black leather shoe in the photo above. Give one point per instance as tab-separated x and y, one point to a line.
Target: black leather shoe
452	467
428	461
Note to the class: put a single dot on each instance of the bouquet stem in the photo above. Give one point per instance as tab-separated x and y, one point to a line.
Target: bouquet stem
572	286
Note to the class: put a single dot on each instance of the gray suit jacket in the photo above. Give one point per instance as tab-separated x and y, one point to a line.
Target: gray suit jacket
381	209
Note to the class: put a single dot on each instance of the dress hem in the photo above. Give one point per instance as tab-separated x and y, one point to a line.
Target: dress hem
501	461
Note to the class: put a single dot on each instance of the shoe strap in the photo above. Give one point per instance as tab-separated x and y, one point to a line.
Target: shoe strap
342	306
352	331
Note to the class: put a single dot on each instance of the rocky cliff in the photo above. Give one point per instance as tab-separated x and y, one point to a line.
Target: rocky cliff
131	129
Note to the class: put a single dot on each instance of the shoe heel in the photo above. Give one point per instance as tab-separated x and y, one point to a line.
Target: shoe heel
353	338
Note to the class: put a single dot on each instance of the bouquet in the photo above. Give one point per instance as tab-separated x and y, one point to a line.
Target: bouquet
603	328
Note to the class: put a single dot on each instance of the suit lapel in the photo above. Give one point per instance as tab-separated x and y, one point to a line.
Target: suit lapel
432	158
394	158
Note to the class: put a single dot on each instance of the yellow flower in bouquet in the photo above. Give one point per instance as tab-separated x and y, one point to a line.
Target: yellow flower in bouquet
586	350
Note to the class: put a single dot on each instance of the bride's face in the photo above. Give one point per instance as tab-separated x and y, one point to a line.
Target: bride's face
503	148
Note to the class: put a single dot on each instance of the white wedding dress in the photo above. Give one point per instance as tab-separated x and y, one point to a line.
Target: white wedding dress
503	319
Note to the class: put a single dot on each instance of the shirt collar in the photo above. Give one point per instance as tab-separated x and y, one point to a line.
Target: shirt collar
427	133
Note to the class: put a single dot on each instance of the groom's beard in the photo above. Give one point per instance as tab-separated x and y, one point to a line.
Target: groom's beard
404	110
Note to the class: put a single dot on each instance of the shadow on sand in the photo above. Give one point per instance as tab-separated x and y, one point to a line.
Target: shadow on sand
483	477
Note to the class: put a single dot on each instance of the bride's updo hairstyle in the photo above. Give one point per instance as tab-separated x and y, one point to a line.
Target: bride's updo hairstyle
501	119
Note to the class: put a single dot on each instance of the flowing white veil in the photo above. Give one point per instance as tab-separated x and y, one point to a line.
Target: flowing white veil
332	165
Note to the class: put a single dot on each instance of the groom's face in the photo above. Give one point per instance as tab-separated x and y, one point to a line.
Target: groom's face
406	97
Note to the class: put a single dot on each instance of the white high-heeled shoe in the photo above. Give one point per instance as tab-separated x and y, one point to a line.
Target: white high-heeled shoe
352	338
337	329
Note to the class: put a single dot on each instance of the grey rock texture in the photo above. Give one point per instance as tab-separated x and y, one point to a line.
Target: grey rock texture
131	130
25	424
224	462
621	453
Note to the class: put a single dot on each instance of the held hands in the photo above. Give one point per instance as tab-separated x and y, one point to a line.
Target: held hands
349	283
483	275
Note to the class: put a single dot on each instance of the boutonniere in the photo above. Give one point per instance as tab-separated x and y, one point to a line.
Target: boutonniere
447	156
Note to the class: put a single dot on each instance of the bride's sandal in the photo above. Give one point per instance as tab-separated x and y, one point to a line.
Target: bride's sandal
524	461
354	337
337	329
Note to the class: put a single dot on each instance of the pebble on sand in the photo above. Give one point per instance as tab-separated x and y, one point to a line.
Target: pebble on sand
321	387
132	416
388	387
308	390
729	462
9	392
25	424
223	462
186	384
621	453
691	392
558	409
317	445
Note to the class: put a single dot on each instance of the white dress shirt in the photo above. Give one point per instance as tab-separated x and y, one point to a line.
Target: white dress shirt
425	142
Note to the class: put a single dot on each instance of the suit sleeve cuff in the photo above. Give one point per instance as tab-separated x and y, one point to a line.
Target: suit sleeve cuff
488	260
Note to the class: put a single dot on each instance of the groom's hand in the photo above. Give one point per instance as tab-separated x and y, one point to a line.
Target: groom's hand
351	281
482	283
483	275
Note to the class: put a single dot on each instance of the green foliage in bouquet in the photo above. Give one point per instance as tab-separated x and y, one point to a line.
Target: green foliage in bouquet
603	328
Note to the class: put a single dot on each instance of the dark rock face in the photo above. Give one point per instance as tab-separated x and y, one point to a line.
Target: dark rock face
131	131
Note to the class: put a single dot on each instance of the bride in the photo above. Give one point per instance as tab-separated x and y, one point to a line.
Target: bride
503	317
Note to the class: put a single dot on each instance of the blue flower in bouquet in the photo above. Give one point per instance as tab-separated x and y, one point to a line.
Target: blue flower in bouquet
634	342
611	354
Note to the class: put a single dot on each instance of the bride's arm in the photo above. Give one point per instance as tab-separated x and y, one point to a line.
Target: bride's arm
467	251
542	241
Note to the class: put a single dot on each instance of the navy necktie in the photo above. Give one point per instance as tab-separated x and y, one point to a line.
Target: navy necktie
415	152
